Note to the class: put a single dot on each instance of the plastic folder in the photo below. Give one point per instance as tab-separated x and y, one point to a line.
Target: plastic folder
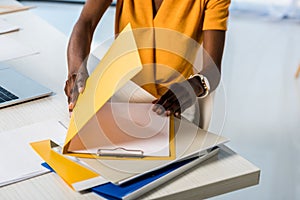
75	175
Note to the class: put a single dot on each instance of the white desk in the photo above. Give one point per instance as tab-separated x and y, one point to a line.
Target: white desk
224	173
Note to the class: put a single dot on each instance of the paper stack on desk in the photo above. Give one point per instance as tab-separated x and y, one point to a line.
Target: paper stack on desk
18	161
123	143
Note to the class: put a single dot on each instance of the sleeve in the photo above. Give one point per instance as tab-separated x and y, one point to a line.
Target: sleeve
216	15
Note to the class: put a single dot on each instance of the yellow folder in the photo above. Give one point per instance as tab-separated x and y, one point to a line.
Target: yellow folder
120	64
75	175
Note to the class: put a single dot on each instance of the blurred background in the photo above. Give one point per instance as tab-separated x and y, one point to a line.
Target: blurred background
260	94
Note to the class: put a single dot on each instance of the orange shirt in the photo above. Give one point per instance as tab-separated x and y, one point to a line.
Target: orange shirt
168	41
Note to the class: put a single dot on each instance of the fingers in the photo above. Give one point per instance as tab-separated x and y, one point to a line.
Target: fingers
73	97
167	104
77	89
74	86
171	105
182	108
70	83
178	98
81	78
158	107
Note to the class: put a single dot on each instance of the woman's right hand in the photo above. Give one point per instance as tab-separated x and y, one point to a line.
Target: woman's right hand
75	85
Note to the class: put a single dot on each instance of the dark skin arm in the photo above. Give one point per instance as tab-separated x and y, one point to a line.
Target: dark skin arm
79	47
182	95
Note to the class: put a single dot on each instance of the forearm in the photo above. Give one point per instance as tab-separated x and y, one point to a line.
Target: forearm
82	34
213	45
79	46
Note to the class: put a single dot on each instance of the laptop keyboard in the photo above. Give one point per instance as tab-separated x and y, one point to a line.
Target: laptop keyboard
6	95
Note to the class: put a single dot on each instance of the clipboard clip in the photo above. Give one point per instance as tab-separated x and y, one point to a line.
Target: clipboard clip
120	152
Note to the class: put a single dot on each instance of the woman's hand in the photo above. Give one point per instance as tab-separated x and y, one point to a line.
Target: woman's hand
179	97
75	85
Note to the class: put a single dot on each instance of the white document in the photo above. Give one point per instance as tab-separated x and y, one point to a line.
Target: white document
11	49
133	127
18	159
6	27
133	93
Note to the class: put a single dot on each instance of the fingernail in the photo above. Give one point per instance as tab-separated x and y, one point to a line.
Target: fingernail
71	105
168	113
80	90
159	111
154	108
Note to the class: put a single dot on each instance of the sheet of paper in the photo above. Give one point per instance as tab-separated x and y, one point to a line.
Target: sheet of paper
6	27
132	126
11	49
131	92
18	159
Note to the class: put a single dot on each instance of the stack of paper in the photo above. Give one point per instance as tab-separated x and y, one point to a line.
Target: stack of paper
18	160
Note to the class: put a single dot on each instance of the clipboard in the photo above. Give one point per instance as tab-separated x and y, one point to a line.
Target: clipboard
120	152
133	133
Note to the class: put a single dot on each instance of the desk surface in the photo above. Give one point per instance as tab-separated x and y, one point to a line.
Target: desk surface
224	173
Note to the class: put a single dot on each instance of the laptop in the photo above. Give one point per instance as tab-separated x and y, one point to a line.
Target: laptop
16	88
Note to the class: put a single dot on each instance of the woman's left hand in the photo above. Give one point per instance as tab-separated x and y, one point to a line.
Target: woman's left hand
179	97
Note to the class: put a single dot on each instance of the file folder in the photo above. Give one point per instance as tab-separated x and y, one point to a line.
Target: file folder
75	175
139	186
